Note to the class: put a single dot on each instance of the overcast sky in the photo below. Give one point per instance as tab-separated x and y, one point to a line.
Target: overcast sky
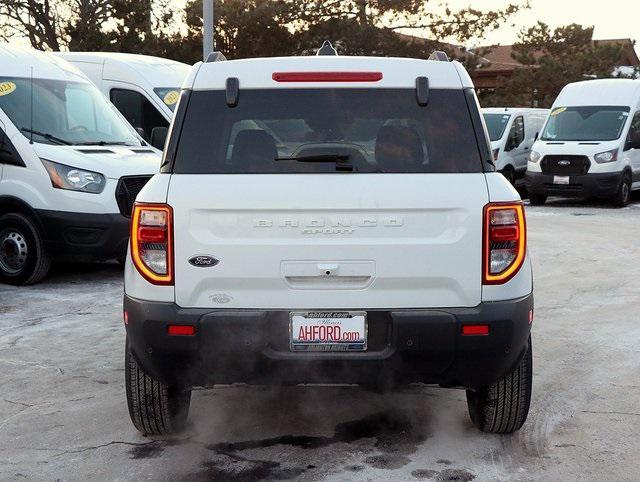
611	18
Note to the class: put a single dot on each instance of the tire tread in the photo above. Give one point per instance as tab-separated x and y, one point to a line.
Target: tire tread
503	406
152	408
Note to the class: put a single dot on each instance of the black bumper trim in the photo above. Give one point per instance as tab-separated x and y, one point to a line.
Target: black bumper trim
405	346
84	235
602	185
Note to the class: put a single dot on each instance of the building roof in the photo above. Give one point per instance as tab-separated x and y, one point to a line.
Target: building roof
499	58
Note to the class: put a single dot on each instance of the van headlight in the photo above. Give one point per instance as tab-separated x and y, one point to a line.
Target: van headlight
534	156
74	179
607	156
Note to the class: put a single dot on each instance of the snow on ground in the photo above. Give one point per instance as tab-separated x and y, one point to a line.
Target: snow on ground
63	413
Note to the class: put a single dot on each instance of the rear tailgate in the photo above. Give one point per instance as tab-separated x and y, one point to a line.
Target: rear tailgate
331	241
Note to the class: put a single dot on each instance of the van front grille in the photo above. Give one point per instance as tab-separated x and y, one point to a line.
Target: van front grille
127	190
565	165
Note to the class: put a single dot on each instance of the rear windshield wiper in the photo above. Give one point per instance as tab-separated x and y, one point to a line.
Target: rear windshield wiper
46	135
339	159
316	158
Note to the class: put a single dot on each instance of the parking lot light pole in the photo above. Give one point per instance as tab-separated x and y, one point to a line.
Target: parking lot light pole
207	28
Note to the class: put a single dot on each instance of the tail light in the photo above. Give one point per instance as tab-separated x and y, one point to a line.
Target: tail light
152	242
505	241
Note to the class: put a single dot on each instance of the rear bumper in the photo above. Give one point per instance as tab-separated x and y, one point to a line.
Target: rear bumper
603	185
404	346
85	235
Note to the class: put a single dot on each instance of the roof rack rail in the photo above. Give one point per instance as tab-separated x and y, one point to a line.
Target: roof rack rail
439	56
327	49
215	57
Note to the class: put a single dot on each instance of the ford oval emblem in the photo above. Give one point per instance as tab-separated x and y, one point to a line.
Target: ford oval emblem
202	261
564	163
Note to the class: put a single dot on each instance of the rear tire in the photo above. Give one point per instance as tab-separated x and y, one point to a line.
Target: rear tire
537	199
154	407
23	256
623	196
503	406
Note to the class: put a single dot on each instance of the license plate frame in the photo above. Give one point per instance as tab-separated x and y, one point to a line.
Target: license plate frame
562	180
350	320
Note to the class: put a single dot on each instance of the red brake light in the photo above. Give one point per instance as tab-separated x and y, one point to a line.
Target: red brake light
152	235
505	243
181	330
475	330
152	242
327	76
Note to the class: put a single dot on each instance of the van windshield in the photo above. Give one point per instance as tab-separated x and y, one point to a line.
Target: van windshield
585	123
328	130
73	113
496	124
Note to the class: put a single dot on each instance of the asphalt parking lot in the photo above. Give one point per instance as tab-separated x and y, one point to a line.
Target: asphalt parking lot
63	413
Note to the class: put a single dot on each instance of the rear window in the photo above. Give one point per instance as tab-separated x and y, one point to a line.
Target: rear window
327	130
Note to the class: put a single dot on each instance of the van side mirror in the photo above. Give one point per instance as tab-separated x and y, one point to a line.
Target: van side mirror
536	136
158	137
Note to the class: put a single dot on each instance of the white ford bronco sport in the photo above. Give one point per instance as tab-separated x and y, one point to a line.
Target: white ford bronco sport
328	219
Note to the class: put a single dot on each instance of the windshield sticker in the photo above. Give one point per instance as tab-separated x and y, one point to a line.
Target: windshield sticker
559	110
7	88
171	97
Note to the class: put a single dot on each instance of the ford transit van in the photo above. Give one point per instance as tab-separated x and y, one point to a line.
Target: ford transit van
70	167
590	145
143	88
512	132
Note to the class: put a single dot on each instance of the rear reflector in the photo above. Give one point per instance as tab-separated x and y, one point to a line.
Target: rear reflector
181	330
327	76
475	330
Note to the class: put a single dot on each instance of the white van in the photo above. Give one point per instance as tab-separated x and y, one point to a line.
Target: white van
368	241
70	167
512	132
590	145
144	89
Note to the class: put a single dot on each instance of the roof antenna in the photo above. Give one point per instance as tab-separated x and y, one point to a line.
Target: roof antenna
326	49
31	108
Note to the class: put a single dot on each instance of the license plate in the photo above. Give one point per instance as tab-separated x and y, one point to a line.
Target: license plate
561	179
328	331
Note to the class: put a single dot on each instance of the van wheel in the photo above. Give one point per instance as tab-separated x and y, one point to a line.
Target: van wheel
623	196
510	174
537	199
154	408
23	257
503	406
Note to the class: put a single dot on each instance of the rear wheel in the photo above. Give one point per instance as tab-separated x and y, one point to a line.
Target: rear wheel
623	196
23	257
154	407
502	407
537	199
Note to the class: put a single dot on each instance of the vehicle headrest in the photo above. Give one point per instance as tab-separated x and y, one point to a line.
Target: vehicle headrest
254	150
399	144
